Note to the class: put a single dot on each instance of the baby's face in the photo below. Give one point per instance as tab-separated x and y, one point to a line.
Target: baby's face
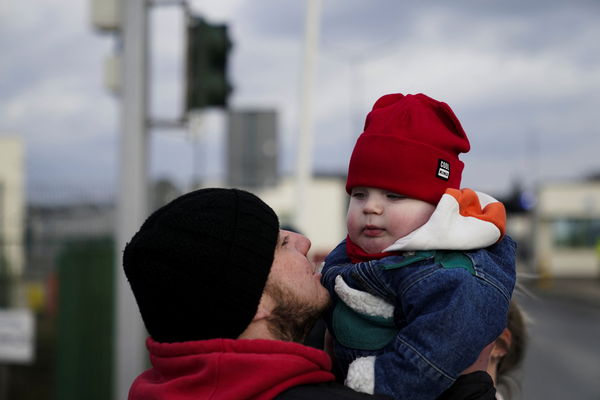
378	217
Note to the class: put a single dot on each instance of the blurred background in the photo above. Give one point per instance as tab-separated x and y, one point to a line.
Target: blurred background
109	109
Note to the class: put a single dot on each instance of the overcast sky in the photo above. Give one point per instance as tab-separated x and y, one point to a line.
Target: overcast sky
522	76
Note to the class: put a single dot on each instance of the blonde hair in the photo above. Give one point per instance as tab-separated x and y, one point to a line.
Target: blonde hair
508	373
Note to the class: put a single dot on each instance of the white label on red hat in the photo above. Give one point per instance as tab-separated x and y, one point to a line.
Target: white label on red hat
443	169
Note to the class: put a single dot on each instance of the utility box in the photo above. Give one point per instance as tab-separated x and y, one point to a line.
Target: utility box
252	149
106	14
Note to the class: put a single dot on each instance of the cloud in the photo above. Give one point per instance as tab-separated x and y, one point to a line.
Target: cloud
523	77
52	96
508	77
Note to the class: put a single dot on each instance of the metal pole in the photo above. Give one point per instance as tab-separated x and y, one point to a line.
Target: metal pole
196	136
129	352
304	161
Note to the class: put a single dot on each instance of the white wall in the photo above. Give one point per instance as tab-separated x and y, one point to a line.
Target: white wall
576	199
566	200
325	224
13	201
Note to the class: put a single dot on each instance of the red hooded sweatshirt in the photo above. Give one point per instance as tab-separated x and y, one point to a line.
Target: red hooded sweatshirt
227	369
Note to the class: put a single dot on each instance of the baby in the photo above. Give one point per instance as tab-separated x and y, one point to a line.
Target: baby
423	281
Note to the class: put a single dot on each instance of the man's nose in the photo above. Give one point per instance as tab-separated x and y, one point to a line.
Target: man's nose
302	243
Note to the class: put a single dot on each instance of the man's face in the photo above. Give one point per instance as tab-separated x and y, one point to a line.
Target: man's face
295	287
294	272
378	217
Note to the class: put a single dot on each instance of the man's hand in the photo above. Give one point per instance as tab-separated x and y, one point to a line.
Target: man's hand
481	364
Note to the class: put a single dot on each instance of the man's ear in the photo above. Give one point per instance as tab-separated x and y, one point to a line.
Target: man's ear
265	306
259	326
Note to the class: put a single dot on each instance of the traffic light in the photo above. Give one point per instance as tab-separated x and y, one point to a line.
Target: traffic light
207	53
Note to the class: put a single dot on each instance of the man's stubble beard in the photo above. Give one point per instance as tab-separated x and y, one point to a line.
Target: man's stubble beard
292	319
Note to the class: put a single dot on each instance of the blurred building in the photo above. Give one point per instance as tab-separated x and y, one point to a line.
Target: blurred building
50	227
325	223
70	267
519	205
12	200
567	230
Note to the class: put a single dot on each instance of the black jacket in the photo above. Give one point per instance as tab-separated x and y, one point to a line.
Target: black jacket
474	386
329	391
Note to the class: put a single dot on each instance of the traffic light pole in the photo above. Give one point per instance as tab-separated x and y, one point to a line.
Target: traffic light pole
132	206
132	203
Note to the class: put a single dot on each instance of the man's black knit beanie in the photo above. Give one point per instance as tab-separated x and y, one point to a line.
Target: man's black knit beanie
198	266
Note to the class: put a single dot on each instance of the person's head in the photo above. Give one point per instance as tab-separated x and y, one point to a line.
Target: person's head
410	147
212	262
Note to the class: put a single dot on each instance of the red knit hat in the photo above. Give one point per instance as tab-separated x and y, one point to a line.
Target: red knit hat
410	145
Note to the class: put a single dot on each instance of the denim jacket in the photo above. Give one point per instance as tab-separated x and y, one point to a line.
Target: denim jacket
413	322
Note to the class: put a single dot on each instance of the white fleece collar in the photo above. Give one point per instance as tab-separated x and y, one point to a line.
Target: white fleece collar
463	220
